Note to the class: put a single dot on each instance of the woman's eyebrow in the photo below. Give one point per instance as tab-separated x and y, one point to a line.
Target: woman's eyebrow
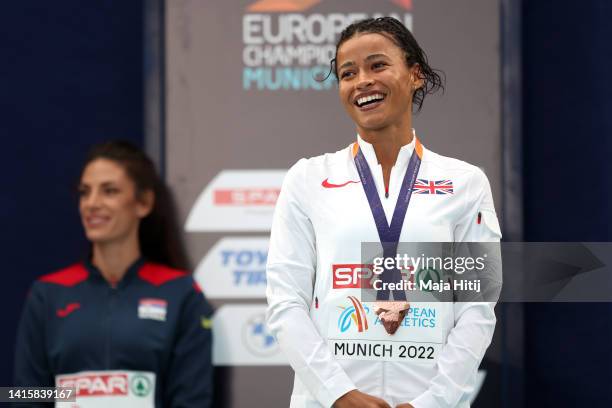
347	64
368	58
375	56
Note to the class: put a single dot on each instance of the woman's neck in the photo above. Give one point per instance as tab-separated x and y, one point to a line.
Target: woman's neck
114	258
387	143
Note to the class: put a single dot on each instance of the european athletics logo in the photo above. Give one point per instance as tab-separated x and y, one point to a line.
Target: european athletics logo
354	313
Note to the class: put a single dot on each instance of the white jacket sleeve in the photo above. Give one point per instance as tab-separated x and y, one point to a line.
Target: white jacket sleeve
290	285
474	321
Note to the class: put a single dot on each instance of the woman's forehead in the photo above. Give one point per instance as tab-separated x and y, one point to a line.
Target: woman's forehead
363	45
103	169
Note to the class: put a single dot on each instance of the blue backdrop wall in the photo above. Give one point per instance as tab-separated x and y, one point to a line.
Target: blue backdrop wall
71	76
567	117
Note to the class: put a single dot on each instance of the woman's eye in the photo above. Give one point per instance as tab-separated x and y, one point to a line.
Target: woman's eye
111	190
82	192
346	74
378	65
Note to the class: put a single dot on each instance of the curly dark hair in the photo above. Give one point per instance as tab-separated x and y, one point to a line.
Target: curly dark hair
403	38
159	233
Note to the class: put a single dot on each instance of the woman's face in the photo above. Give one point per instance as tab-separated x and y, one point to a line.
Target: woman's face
376	85
109	207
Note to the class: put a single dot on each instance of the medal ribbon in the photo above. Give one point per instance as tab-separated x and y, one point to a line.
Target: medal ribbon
389	234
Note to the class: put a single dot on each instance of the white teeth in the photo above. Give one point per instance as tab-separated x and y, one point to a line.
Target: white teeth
366	99
96	220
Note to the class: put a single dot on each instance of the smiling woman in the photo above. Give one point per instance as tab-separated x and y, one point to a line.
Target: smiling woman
330	205
110	207
128	327
406	49
123	201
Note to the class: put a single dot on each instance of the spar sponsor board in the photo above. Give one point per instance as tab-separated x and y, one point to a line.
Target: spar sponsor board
235	267
237	200
104	388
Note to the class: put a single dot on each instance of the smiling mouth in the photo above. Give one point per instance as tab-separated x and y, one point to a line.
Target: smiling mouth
369	100
96	221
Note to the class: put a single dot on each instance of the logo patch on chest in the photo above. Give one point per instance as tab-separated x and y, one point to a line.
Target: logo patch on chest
71	307
151	308
327	184
438	187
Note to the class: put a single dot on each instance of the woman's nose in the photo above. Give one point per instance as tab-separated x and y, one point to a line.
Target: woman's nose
364	80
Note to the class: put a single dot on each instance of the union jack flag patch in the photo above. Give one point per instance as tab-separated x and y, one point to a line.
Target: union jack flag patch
423	186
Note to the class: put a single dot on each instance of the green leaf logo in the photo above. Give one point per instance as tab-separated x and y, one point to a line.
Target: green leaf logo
428	275
140	385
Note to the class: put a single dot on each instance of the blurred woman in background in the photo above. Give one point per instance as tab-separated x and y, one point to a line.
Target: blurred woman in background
128	327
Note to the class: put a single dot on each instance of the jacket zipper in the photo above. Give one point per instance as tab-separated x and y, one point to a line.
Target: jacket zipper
111	304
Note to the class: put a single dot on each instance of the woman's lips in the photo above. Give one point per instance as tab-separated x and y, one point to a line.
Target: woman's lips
371	106
96	221
369	101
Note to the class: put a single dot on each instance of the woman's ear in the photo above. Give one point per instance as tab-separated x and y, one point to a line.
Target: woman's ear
417	78
146	202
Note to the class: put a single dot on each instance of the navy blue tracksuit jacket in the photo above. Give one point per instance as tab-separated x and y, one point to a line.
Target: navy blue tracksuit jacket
155	319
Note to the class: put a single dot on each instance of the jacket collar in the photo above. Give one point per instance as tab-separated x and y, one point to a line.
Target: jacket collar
402	158
129	276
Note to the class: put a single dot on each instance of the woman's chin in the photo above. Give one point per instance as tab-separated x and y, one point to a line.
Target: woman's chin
98	237
374	125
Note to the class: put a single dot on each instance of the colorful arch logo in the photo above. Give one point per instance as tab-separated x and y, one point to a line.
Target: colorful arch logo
264	6
355	313
405	4
267	6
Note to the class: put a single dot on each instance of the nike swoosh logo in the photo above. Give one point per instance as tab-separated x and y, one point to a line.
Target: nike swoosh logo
327	184
68	309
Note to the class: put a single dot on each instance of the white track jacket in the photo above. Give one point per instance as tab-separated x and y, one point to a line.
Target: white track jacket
321	218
